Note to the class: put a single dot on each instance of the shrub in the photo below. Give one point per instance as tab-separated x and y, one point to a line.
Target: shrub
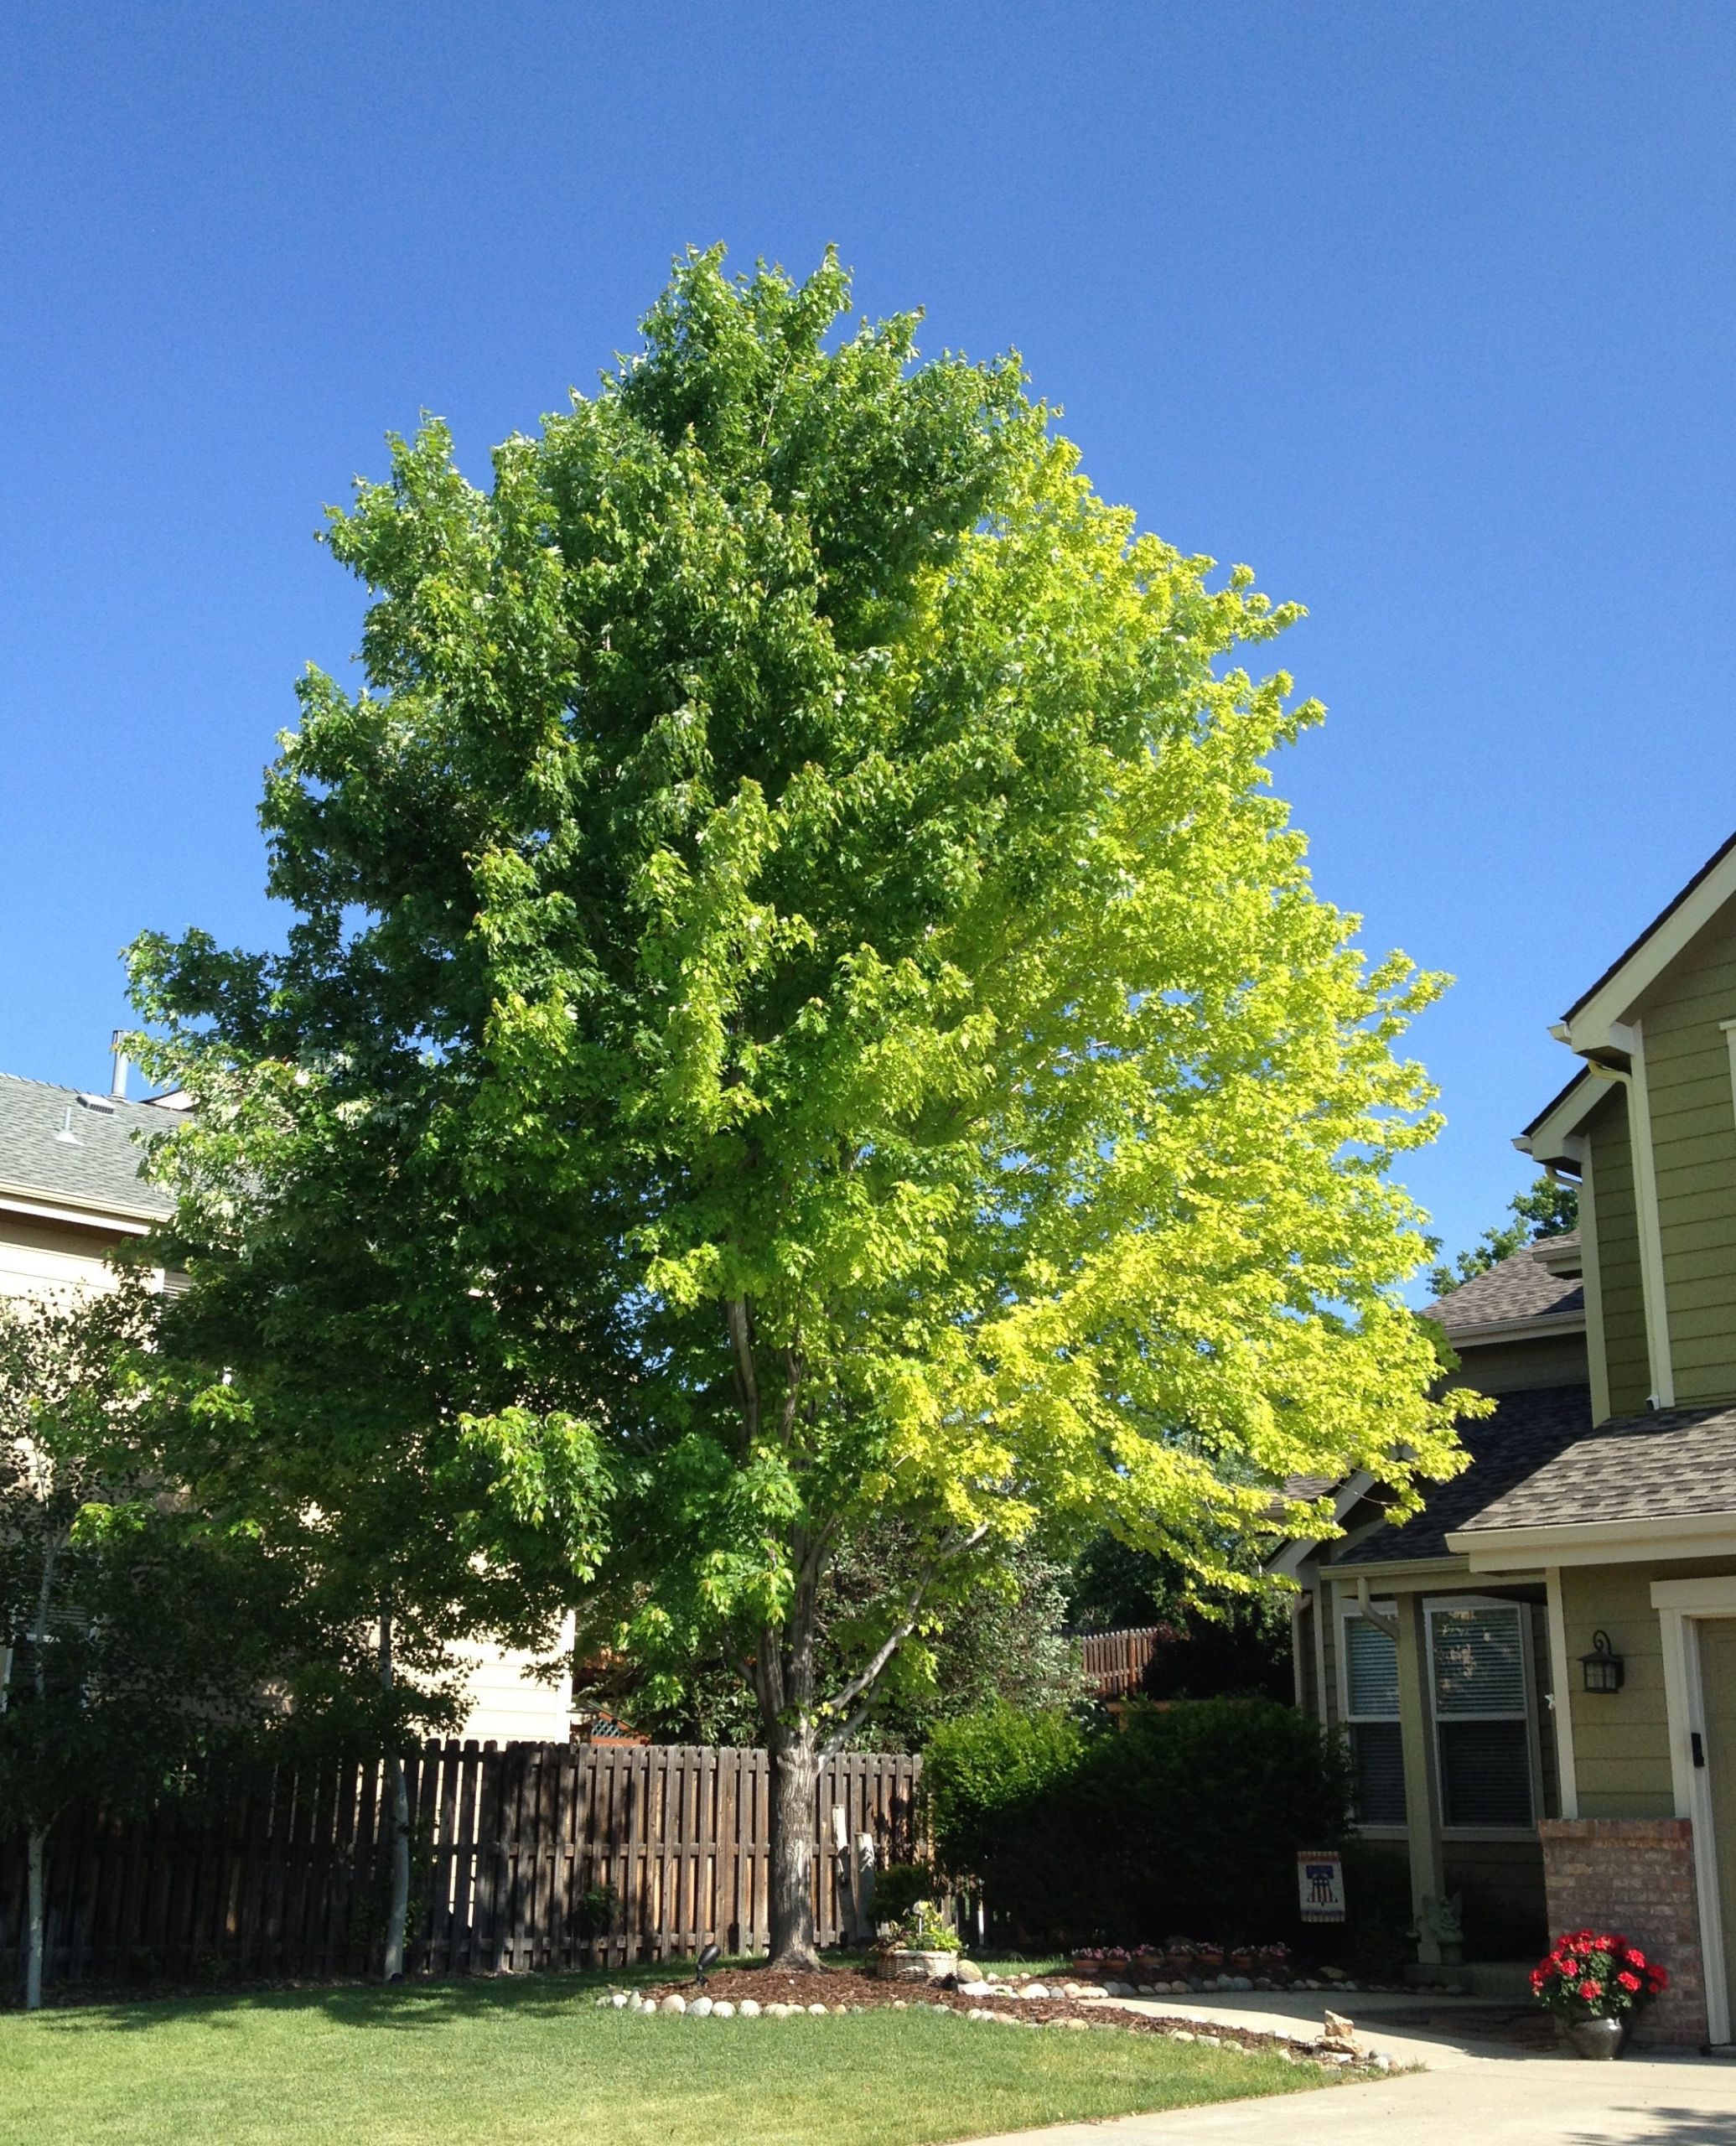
900	1886
980	1771
1189	1819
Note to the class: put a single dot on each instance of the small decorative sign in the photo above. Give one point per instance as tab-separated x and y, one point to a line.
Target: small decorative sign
1320	1882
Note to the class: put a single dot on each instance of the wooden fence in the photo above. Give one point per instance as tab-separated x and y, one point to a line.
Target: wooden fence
1115	1662
532	1856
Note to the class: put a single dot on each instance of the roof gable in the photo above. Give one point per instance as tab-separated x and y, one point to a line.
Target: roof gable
1590	1019
1526	1431
1521	1286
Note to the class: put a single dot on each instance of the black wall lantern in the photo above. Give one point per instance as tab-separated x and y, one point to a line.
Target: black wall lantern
1603	1667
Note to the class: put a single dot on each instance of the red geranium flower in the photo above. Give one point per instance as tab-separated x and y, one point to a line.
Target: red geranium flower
1628	1981
1589	1989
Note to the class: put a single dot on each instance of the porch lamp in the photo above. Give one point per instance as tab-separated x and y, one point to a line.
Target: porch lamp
1603	1665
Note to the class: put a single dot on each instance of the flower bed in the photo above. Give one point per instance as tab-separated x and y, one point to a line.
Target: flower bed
1181	1960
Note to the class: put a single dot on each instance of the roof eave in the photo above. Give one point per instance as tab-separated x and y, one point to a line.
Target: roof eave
1535	1326
1596	1542
42	1203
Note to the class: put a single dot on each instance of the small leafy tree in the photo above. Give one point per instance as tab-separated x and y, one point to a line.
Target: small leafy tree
799	989
1549	1208
133	1651
310	1419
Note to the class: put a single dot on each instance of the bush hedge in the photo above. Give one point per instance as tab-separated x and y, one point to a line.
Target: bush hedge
1185	1821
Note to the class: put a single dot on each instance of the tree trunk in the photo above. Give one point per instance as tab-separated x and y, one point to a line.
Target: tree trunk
795	1776
35	1933
398	1913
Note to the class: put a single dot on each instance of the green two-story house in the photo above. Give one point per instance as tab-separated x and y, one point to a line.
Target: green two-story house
1538	1673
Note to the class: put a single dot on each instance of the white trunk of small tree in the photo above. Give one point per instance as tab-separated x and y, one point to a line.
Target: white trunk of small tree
398	1798
36	1918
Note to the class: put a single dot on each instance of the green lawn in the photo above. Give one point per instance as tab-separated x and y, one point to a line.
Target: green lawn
535	2063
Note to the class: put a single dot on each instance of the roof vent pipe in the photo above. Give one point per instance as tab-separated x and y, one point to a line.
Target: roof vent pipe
118	1085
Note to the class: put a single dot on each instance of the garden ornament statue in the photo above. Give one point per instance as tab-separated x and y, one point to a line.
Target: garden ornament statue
1439	1930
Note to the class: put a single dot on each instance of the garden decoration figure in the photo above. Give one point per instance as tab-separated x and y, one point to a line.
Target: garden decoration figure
1439	1930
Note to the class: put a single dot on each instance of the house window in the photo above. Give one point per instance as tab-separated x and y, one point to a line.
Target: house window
1482	1711
1370	1681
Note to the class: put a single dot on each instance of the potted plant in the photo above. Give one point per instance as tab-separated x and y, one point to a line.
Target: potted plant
922	1946
1592	1982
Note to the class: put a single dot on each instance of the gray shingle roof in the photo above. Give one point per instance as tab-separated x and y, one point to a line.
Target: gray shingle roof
97	1166
1519	1288
1671	1463
1526	1432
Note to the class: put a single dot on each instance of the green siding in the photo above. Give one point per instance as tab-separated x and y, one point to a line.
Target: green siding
1621	1292
1621	1741
1693	1136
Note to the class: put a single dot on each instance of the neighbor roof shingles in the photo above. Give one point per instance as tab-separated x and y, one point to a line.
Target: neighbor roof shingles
98	1168
1670	1464
1526	1431
1517	1288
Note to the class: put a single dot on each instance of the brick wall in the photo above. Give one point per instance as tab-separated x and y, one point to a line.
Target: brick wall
1635	1875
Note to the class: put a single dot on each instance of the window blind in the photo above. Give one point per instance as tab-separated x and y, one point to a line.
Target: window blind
1370	1672
1480	1662
1477	1661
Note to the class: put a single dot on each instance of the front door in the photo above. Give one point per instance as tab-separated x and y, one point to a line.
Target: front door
1717	1699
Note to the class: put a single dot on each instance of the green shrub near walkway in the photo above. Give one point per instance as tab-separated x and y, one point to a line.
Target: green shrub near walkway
534	2062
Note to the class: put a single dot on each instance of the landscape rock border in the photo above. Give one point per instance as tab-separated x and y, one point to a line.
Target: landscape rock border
1028	2002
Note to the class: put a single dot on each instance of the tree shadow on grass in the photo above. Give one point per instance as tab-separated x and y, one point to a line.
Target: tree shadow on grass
404	2008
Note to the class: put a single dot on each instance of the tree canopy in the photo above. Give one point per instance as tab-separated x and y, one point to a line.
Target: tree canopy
1549	1207
803	1010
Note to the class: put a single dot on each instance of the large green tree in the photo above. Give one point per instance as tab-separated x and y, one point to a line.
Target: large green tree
799	981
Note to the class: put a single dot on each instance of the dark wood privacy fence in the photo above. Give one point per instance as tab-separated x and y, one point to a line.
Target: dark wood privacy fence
1115	1662
532	1856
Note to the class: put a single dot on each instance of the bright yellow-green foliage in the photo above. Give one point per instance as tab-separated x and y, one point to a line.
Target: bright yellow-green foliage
473	2064
800	978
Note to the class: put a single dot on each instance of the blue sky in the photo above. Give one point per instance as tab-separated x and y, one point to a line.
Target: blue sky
1427	313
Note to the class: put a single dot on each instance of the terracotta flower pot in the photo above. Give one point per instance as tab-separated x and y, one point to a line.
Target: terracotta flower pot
1598	2039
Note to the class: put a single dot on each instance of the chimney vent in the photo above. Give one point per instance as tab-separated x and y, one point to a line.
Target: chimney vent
118	1085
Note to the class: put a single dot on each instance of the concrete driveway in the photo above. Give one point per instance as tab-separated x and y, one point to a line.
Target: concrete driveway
1473	2092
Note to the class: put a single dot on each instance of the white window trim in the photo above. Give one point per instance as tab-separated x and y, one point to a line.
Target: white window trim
1533	1745
1386	1830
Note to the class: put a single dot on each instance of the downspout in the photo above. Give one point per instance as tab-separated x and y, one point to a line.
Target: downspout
1378	1618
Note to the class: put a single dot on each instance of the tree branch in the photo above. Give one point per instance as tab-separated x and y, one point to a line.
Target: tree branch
746	1384
860	1686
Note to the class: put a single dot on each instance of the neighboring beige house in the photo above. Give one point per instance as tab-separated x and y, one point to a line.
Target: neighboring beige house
70	1193
1538	1673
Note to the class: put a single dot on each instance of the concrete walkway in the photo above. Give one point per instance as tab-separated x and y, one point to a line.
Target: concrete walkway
1473	2092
